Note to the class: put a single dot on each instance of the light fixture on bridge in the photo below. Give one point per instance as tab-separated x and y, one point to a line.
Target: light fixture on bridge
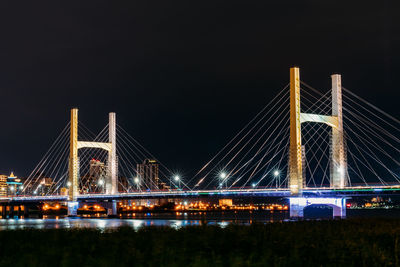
101	182
21	187
177	179
254	185
222	175
136	180
276	173
12	188
69	184
224	179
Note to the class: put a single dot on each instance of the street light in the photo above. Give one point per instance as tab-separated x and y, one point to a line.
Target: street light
253	185
224	178
276	174
137	182
178	180
101	182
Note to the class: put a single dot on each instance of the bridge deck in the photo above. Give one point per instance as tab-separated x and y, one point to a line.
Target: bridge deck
269	192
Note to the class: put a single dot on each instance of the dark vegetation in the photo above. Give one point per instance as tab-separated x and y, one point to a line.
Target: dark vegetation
367	242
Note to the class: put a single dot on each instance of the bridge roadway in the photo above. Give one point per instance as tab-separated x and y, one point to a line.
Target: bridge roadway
268	192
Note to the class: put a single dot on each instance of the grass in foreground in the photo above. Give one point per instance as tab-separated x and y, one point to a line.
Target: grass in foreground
371	242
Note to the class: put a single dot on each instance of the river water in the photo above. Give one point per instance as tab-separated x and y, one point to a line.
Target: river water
175	220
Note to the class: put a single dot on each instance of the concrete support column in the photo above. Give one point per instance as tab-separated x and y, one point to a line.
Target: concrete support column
295	151
73	208
339	210
297	205
338	157
112	209
26	212
19	211
11	213
111	184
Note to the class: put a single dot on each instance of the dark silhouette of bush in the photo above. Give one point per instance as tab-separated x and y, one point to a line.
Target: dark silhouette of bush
371	242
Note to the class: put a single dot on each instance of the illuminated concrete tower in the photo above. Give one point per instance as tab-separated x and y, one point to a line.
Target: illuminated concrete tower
111	184
73	170
338	172
338	159
75	145
295	150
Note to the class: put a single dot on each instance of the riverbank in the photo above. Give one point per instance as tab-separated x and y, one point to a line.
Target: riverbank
357	242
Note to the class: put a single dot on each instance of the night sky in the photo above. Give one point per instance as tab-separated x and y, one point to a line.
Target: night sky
183	76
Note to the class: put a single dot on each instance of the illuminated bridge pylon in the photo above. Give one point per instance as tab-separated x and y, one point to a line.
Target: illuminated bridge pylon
73	171
338	170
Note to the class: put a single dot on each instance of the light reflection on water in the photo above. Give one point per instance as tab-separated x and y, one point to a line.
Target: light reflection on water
137	220
98	223
175	220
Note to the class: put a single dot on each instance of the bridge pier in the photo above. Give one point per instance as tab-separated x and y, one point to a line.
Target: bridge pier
297	205
111	207
73	208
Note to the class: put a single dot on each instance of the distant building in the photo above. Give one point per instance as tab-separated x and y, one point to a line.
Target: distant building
45	186
47	181
97	169
94	180
3	185
148	174
14	185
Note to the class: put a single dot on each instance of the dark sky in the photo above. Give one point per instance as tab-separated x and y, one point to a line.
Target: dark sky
183	76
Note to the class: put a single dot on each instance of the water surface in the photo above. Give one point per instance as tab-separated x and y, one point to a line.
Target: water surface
176	220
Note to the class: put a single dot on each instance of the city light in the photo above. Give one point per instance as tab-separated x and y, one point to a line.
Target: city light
21	187
176	178
222	175
11	188
136	180
69	184
253	185
276	173
101	182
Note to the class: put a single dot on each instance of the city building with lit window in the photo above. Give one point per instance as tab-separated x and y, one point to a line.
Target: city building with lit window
3	185
94	180
148	173
14	185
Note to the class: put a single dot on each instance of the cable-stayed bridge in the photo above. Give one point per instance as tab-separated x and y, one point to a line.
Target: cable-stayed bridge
306	145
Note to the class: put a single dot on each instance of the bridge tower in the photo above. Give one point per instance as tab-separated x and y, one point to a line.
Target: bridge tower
337	150
338	159
73	171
